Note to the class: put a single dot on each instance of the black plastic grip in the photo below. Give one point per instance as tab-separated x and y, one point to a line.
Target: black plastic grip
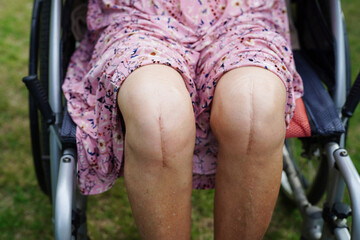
352	99
39	95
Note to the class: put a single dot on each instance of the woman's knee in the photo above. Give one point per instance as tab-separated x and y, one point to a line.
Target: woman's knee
248	110
158	114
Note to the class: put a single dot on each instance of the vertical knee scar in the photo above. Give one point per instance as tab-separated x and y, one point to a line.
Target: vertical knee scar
162	143
251	132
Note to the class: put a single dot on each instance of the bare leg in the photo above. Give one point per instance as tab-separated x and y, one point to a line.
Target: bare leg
160	139
247	118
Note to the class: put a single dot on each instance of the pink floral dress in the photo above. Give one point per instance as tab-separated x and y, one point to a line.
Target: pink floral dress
201	39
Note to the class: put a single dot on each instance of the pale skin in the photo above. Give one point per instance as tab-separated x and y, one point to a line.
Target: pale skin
159	144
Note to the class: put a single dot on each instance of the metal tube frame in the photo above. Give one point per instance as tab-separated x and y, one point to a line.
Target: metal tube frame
337	23
342	172
340	167
352	180
311	215
69	206
65	195
55	90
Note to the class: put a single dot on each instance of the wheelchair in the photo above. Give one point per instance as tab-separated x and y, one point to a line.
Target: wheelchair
318	129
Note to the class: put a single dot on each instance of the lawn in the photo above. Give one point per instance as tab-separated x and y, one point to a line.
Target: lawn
25	213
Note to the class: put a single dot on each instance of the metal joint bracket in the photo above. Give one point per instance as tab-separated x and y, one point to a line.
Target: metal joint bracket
352	180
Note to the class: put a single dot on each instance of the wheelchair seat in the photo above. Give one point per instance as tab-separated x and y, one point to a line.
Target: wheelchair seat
319	116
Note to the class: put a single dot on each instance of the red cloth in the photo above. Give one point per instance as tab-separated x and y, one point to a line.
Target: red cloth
299	124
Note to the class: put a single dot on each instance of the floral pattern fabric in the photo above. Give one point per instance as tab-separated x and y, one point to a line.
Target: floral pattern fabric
201	39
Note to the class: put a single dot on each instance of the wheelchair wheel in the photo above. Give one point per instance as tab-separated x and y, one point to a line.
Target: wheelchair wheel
38	127
311	168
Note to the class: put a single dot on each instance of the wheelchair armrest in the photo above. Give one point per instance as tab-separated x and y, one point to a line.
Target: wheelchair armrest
68	130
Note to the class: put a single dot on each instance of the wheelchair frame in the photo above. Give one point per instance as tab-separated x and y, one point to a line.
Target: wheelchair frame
330	222
69	207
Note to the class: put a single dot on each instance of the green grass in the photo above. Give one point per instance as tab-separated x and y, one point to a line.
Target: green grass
25	213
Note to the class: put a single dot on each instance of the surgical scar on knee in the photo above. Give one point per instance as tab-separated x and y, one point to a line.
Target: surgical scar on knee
162	143
251	131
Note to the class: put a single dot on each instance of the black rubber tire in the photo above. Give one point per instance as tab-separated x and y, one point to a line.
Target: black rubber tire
38	127
44	78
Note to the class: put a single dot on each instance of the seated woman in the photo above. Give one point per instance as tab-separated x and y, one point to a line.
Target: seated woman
172	93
